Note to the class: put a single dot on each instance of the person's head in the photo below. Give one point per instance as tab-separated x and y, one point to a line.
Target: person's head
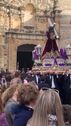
67	113
27	94
17	74
8	93
47	104
51	33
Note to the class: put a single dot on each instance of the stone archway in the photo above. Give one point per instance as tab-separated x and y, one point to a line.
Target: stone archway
24	56
16	40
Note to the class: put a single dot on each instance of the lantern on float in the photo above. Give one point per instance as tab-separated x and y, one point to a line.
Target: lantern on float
38	49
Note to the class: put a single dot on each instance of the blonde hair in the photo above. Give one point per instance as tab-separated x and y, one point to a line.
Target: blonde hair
27	93
47	103
8	93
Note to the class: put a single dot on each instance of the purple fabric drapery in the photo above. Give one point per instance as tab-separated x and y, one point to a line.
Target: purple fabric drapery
63	54
50	46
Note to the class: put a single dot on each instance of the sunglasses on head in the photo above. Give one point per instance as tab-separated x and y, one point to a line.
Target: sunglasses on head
45	89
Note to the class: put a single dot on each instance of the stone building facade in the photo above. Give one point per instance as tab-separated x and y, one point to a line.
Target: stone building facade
25	23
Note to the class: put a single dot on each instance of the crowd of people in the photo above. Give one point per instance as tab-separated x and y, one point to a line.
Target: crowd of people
35	98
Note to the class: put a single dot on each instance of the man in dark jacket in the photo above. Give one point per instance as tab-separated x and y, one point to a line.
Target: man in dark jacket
27	96
67	88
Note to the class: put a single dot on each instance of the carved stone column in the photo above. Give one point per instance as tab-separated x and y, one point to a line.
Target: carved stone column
1	51
11	54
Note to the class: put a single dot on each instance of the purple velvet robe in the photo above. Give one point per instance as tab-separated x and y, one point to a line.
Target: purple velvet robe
50	45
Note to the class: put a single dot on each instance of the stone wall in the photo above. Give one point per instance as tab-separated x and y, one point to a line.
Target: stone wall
65	30
39	23
14	41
